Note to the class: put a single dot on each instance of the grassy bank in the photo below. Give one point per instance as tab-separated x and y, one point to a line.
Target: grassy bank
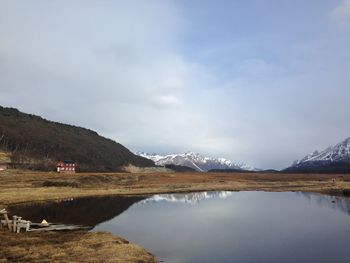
21	186
74	246
80	246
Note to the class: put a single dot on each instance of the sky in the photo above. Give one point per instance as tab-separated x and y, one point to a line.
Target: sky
259	82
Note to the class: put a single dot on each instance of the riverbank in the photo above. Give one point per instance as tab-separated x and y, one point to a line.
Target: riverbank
69	246
80	246
22	186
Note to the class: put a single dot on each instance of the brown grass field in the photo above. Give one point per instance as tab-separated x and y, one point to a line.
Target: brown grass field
79	246
22	186
73	246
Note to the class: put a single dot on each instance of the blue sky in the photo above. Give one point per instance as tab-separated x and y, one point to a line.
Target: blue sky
261	82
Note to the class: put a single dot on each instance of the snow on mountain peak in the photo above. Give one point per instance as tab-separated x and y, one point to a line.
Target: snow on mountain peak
195	161
337	153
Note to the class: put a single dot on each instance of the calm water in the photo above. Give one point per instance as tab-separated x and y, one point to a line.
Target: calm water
217	226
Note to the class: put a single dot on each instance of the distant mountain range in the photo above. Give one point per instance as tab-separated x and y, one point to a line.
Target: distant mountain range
195	161
334	159
31	142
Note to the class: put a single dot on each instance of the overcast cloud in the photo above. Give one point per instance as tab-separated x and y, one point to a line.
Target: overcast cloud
263	82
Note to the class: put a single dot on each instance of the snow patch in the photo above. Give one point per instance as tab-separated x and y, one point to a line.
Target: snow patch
195	161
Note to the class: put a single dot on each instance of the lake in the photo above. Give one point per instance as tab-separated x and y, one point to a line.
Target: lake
215	226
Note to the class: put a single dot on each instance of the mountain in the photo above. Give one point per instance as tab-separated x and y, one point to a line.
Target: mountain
195	161
334	159
36	143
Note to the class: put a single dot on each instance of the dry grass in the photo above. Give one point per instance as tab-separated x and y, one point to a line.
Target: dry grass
76	246
21	186
5	157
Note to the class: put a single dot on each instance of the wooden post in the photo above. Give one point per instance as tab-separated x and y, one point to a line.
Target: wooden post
22	224
7	221
19	219
14	226
28	226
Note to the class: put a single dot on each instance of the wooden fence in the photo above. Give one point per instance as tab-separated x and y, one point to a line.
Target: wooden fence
17	223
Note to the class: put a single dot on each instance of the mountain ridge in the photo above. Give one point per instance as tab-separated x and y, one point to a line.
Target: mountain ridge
332	159
195	161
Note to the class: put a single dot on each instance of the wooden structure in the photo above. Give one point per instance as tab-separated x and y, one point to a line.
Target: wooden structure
17	224
66	166
5	221
14	225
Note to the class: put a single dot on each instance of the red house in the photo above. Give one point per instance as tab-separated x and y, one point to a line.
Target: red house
66	167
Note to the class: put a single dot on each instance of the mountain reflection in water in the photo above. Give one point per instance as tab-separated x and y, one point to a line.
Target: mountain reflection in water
91	211
87	211
339	203
244	227
190	198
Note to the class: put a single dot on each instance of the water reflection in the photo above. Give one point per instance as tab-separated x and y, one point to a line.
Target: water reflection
91	211
189	198
340	203
88	211
238	227
215	226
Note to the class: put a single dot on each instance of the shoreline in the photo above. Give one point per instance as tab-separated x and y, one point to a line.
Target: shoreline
28	186
17	187
332	192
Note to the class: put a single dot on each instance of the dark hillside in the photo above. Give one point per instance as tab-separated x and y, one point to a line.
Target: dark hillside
180	168
320	167
36	143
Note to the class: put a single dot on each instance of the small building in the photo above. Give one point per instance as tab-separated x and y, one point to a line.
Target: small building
3	166
66	167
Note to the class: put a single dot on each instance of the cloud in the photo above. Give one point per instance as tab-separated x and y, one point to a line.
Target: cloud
341	13
149	74
109	67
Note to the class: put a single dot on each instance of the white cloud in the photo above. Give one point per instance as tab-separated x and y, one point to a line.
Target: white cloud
112	67
123	68
341	13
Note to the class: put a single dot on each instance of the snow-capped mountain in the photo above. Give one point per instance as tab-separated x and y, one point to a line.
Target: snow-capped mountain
338	157
190	198
195	161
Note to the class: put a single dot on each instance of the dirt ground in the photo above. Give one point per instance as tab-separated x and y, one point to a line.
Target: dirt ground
79	246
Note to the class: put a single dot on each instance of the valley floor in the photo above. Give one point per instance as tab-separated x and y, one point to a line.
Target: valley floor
80	246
